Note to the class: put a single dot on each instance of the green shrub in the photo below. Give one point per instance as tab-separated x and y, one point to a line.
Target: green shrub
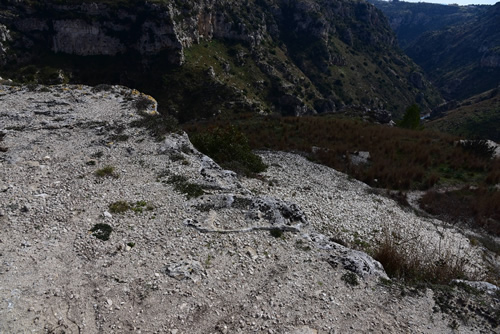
143	103
230	148
276	232
411	119
106	172
159	125
350	278
180	183
119	207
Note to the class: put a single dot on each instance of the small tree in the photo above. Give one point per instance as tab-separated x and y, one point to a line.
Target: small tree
411	119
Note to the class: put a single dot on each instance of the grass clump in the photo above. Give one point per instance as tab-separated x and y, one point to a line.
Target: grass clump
477	207
230	148
119	207
181	184
407	260
107	171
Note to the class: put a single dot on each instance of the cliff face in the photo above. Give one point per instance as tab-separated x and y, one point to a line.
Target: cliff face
311	56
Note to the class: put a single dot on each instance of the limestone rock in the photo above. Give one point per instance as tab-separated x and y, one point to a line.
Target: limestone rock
186	270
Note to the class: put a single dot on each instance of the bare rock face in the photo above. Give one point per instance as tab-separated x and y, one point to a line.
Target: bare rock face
81	38
101	232
4	37
99	29
297	45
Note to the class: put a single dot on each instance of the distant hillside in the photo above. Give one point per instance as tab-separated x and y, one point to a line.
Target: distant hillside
219	57
410	20
458	47
476	117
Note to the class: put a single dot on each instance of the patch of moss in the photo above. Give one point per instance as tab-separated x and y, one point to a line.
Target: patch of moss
180	183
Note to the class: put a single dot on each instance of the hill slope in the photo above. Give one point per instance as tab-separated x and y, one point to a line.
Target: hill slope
458	47
411	20
102	232
476	117
206	58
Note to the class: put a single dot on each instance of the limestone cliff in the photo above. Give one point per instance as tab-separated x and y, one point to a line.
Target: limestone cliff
305	56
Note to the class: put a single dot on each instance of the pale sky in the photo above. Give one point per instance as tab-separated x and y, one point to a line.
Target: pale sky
460	2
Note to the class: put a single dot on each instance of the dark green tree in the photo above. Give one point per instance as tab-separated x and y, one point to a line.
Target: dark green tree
411	119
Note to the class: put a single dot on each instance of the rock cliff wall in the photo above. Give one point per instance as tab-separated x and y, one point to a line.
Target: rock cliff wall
344	49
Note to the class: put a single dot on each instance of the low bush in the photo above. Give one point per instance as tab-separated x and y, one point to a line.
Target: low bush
119	207
107	171
143	103
479	147
229	147
159	125
101	231
181	184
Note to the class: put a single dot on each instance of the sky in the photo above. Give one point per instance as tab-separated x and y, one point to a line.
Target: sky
460	2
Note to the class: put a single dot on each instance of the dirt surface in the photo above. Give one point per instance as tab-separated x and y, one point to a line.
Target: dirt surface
248	256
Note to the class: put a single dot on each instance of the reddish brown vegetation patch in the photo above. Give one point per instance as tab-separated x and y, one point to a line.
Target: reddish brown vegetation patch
478	207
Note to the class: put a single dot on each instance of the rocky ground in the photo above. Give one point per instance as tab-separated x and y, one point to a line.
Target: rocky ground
103	231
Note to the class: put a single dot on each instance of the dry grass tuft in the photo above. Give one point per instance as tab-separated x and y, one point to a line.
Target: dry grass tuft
408	260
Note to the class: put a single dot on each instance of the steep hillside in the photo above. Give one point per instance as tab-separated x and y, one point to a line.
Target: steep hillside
476	117
411	20
458	47
216	57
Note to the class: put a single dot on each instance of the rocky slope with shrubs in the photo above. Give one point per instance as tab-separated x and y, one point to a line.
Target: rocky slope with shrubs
113	224
290	57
